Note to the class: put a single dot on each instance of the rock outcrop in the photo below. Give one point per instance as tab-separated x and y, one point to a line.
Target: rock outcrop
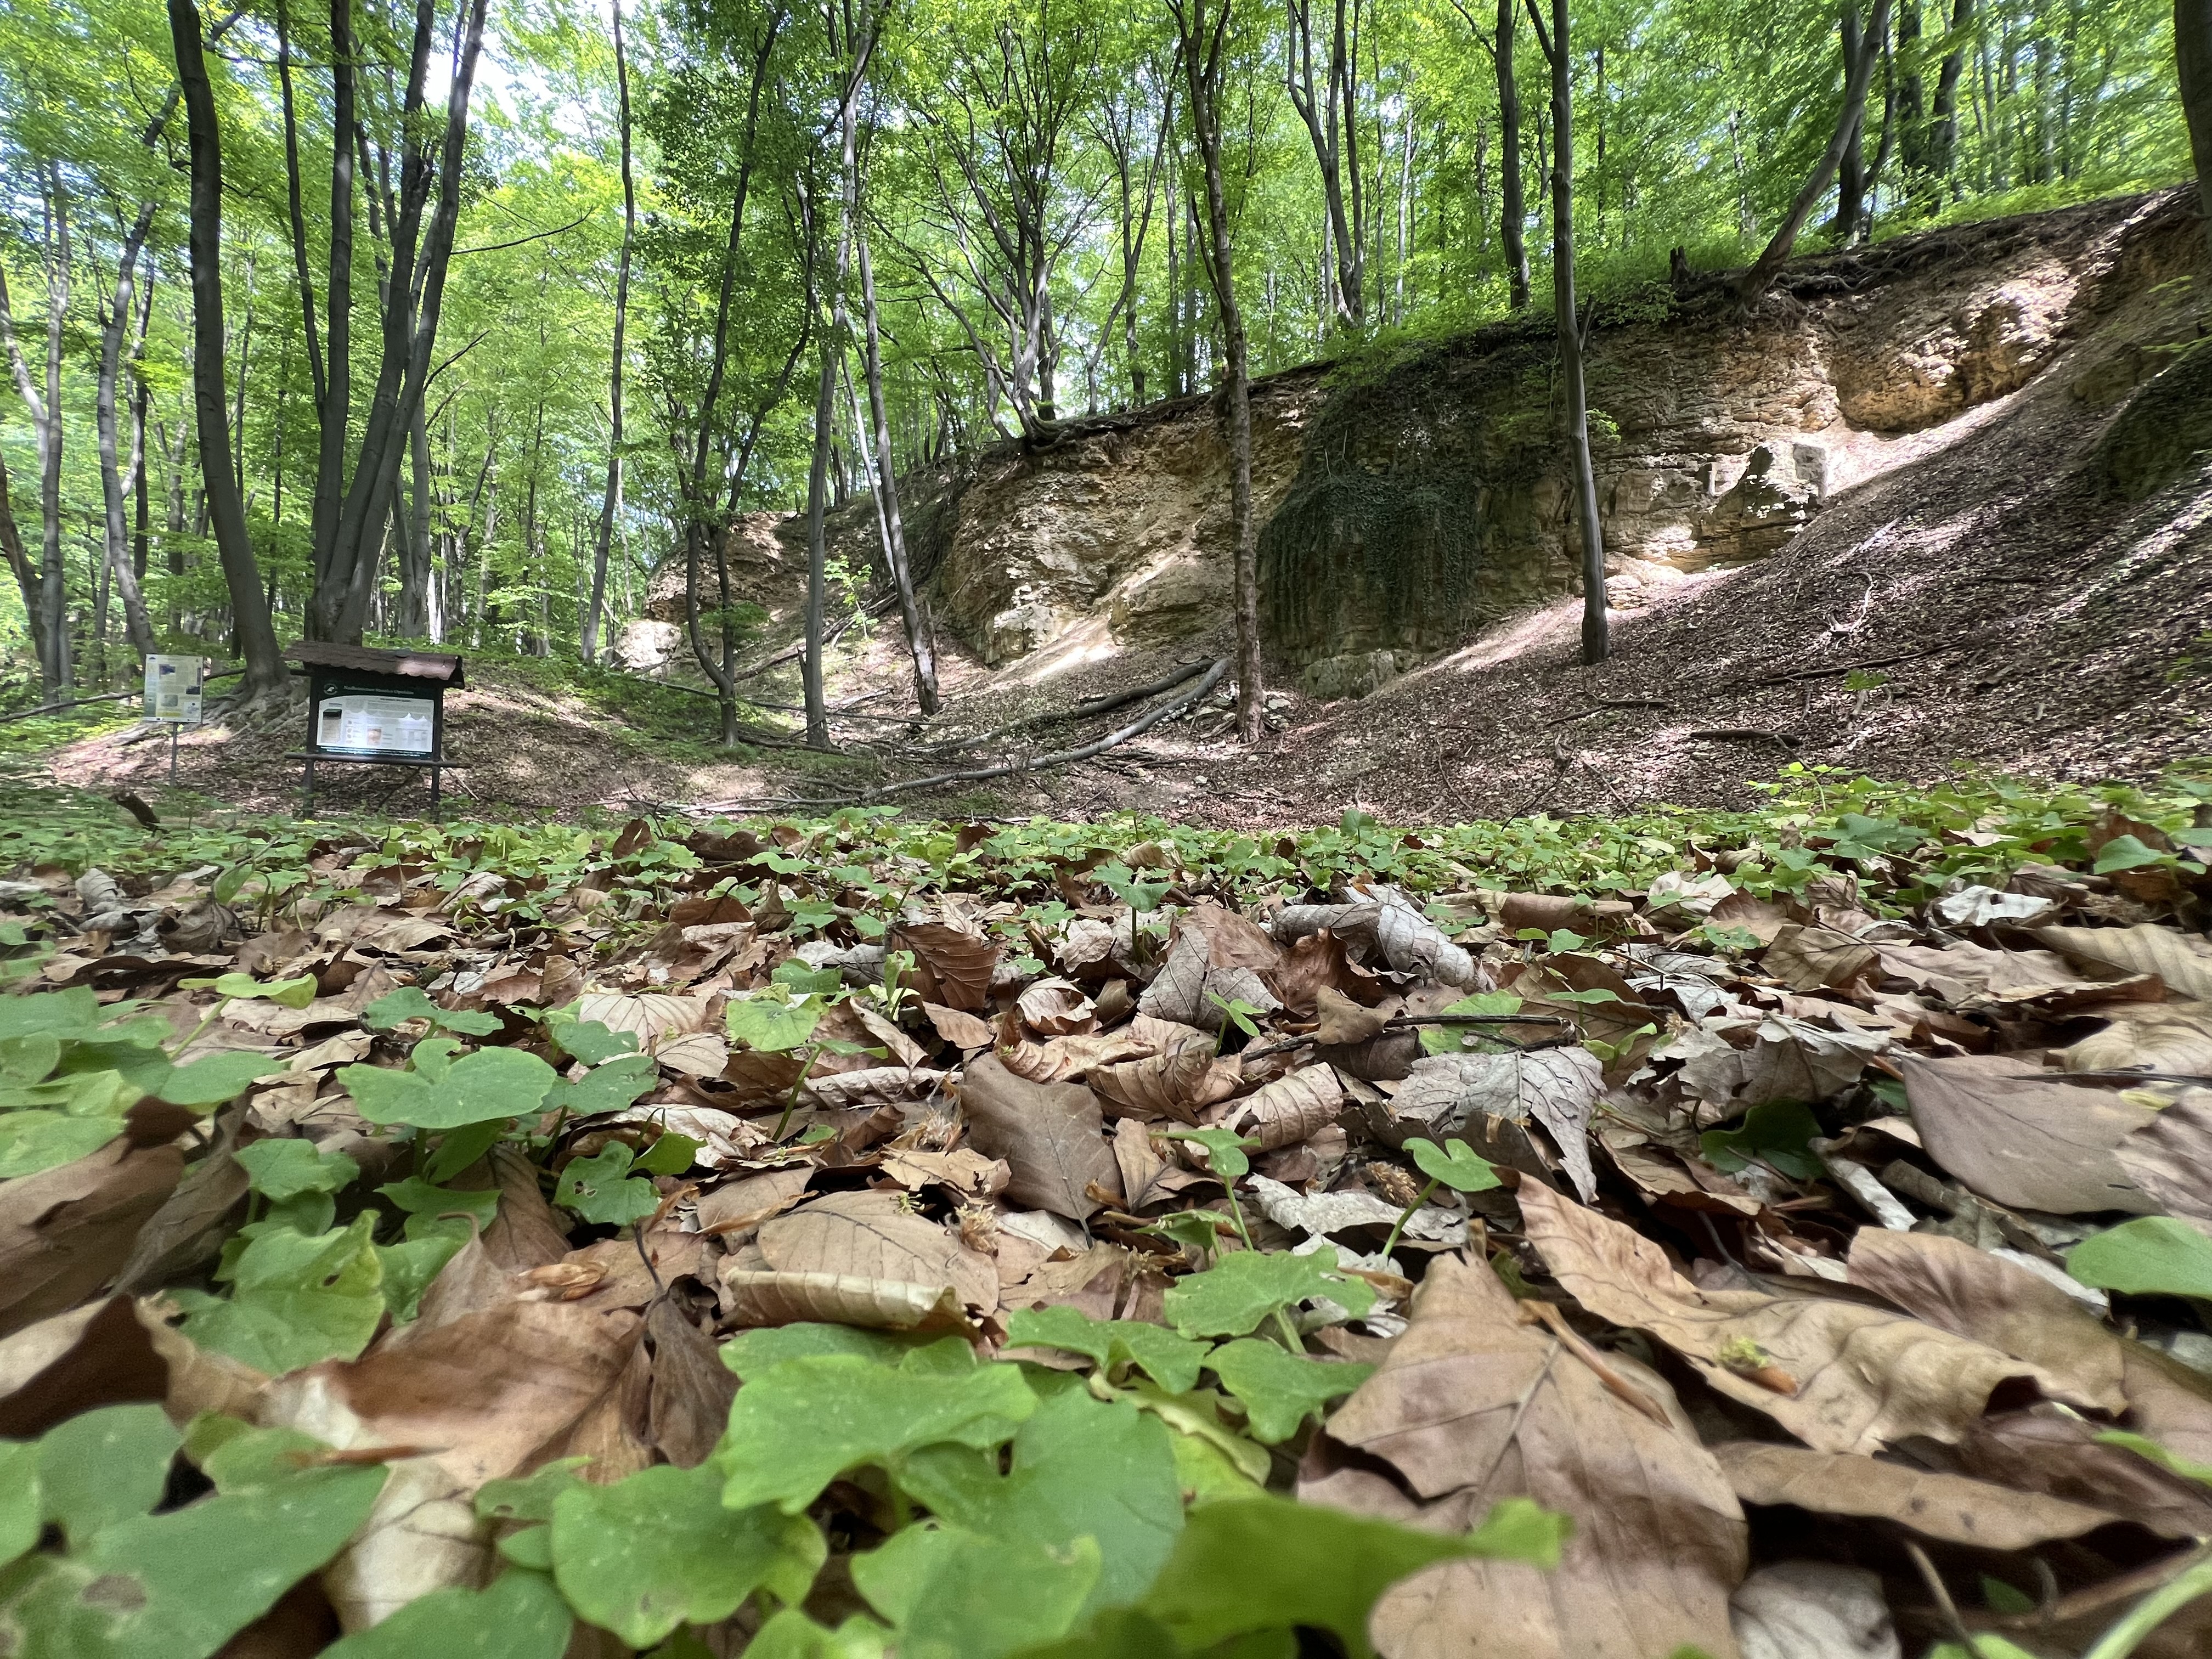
1404	505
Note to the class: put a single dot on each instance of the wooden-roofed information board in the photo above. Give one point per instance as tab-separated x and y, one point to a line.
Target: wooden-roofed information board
376	708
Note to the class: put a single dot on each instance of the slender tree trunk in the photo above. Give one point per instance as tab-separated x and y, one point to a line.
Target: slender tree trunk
50	613
1850	166
334	396
1858	69
610	502
121	305
1513	216
20	565
1204	47
249	607
817	477
1944	120
2192	57
917	637
1558	49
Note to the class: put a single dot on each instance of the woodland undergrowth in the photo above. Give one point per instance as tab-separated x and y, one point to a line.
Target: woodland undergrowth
1780	1232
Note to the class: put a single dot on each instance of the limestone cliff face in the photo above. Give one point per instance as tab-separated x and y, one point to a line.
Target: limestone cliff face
1403	506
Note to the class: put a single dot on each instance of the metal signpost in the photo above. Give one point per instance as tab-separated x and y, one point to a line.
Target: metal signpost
174	694
375	709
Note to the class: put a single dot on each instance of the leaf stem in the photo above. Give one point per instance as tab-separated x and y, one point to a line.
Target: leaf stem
791	1104
1398	1226
2154	1610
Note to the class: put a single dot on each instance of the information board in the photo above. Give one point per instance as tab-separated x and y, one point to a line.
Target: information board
376	723
172	689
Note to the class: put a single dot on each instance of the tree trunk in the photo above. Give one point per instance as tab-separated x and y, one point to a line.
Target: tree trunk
1204	44
2192	58
1559	49
817	490
1850	166
610	502
917	637
1513	216
50	614
1858	69
1944	120
414	299
334	399
249	607
20	565
115	518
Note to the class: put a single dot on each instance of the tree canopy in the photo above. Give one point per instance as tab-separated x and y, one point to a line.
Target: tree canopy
861	236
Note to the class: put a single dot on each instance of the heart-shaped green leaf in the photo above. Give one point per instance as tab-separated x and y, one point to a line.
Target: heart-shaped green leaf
601	1188
281	1170
1454	1165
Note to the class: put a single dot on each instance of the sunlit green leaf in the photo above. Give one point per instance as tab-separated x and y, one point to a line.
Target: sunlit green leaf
294	1300
947	1591
2151	1255
1172	1361
601	1188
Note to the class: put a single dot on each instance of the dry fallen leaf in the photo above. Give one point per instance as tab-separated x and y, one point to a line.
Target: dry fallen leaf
1289	1110
1813	1610
1864	1377
953	965
2171	1038
66	1232
1178	1082
959	1028
1949	1507
872	1236
1485	1098
1814	958
1471	1406
1971	1293
2015	1139
734	1212
1050	1135
763	1297
689	1405
495	1391
2170	1158
2182	963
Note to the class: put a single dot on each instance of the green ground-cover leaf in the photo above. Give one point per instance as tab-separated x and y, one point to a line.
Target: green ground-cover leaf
1265	1562
213	1079
177	1586
492	1082
1280	1389
434	1209
749	1353
952	1594
588	1040
410	1002
1241	1291
33	1141
771	1026
660	1549
2151	1255
607	1088
105	1466
1777	1132
601	1188
283	1170
294	1300
1171	1361
1081	1468
796	1426
520	1615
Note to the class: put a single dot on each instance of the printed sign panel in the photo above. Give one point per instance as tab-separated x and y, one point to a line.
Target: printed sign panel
172	689
375	724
